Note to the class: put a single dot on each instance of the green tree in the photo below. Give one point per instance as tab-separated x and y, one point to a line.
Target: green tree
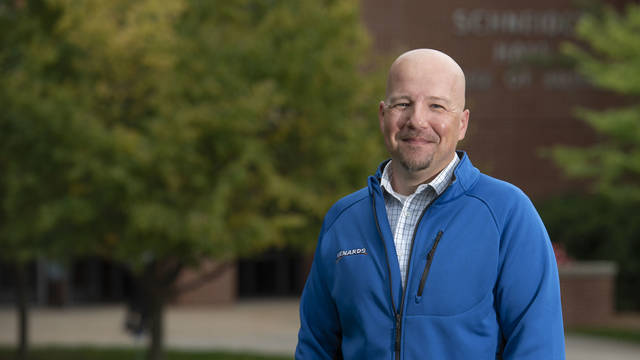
35	150
173	132
609	57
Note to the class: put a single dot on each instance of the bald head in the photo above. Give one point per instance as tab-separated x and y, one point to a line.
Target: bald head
428	66
423	116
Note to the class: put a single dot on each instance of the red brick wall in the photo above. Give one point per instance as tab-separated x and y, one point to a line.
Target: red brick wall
517	108
221	290
587	292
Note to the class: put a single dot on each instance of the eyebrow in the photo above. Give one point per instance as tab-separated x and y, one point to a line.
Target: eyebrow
445	99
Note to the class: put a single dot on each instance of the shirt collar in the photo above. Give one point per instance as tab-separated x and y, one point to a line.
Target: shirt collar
438	184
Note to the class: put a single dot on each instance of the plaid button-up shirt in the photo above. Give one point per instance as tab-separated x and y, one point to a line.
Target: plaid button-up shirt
404	210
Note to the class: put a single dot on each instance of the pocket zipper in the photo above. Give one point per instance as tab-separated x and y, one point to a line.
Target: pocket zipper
430	255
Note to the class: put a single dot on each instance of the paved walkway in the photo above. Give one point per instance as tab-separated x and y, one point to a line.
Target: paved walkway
259	326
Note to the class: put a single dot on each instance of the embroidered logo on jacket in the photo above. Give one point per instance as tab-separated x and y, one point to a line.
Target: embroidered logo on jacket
343	253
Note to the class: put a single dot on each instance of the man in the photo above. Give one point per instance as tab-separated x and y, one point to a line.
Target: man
433	260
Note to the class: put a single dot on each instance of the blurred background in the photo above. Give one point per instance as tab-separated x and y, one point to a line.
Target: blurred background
165	165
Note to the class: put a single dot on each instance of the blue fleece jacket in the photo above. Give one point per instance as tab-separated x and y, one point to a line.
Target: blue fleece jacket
482	281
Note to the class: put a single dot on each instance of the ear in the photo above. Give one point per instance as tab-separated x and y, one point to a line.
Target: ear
381	109
464	122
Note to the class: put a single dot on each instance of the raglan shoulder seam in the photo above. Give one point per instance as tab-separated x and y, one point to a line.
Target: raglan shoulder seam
345	207
486	204
341	208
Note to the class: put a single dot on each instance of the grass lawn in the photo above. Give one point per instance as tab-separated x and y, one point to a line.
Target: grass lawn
630	335
96	353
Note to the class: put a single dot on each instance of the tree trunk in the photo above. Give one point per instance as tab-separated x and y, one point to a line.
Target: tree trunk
156	345
22	306
159	279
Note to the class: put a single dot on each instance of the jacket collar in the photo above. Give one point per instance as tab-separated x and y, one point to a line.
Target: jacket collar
465	176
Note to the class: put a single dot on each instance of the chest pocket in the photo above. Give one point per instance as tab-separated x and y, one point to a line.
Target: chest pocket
455	276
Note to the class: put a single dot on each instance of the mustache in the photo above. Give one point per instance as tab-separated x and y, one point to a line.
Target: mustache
413	134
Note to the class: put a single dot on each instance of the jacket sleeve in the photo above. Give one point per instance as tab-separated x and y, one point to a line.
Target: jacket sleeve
528	289
319	336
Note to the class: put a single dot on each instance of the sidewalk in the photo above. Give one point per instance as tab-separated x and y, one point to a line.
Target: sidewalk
268	326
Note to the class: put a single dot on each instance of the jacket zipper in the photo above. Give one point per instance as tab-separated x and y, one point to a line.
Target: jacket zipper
398	314
430	255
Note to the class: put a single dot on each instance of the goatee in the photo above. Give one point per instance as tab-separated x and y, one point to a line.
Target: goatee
415	165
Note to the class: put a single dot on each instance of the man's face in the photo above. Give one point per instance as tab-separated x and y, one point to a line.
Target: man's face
423	118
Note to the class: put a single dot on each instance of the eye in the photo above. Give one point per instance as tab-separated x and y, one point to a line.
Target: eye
437	107
401	105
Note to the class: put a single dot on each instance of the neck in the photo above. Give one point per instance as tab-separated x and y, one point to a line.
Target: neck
406	182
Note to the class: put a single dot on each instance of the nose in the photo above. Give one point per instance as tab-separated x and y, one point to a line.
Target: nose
418	116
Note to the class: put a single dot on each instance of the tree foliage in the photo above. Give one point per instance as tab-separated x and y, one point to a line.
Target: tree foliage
606	223
610	61
162	133
184	128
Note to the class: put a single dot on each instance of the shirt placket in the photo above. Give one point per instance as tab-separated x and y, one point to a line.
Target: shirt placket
403	235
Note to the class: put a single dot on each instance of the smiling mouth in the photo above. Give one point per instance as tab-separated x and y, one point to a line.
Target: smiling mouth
417	141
